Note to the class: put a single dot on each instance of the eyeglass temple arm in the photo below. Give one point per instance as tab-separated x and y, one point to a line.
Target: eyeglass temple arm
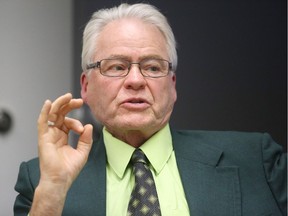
93	65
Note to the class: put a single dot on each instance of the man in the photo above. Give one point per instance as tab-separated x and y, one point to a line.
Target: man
129	59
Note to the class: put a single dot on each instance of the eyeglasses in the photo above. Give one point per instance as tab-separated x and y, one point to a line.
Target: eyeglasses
151	67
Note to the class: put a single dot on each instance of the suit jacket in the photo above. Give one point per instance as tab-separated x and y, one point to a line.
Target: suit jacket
223	174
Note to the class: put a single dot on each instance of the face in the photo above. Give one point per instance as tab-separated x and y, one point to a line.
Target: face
131	103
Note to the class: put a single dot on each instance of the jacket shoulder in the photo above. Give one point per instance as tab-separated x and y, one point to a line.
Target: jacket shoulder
224	140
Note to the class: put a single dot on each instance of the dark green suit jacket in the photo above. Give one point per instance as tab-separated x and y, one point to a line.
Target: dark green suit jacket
223	174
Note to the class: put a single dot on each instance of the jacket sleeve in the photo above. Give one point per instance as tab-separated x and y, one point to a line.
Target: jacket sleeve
275	166
25	191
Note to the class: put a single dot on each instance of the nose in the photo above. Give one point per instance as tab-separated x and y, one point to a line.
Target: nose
135	79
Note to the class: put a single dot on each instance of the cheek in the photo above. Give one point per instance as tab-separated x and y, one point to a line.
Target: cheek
165	98
100	97
97	104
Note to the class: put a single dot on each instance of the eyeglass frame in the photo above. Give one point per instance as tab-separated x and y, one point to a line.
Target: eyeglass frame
97	64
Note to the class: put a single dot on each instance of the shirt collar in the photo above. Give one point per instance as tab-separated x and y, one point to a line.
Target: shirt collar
157	149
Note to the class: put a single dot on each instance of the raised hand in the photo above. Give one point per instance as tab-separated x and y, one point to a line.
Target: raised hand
59	162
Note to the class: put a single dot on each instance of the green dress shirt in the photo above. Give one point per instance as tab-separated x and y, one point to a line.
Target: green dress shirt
120	179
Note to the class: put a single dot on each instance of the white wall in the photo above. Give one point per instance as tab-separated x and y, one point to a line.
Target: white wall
36	63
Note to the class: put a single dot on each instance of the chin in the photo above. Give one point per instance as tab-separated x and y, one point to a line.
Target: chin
132	124
135	121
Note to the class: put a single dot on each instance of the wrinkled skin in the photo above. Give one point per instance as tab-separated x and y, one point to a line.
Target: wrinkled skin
132	108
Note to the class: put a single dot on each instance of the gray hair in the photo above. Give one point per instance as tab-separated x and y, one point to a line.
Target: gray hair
147	13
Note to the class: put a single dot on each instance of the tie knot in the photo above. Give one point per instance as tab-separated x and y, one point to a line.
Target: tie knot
139	157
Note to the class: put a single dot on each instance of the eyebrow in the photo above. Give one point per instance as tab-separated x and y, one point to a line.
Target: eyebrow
128	58
123	57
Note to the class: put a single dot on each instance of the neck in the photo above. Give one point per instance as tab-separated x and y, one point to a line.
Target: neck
133	138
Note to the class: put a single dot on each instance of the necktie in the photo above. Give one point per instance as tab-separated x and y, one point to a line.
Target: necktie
144	199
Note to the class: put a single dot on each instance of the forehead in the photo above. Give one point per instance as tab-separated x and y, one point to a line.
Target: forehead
131	37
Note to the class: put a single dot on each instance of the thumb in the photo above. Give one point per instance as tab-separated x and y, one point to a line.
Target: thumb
85	140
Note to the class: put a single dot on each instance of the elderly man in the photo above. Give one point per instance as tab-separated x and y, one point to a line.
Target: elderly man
139	166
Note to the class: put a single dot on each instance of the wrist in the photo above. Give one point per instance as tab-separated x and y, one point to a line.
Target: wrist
49	199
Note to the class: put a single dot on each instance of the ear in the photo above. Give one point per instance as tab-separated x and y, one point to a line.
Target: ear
174	87
84	86
174	79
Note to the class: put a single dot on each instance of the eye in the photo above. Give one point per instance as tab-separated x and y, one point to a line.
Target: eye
114	65
117	67
151	66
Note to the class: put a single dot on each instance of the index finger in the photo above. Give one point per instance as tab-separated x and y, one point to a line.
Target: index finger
43	117
60	101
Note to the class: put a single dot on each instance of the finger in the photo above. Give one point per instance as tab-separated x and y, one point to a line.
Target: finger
62	106
73	104
59	117
43	117
73	124
59	102
85	140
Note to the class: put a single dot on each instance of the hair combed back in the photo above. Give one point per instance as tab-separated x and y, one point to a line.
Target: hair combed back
145	12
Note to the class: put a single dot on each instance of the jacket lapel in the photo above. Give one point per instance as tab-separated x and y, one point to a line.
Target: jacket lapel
90	186
210	189
99	159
